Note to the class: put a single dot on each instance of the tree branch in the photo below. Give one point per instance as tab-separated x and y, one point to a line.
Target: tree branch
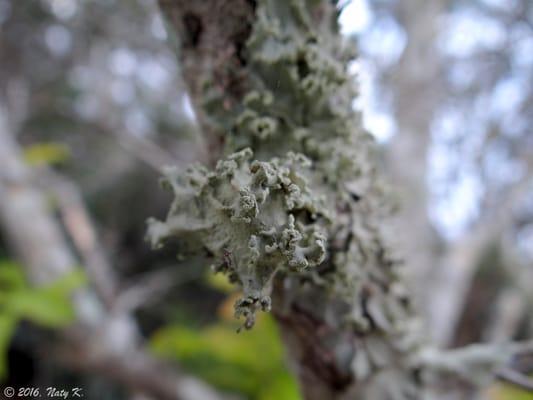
105	343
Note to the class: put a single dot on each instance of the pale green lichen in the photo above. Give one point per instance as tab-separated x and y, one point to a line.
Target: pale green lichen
255	217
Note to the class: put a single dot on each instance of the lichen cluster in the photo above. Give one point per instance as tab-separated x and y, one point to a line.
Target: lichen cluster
308	204
254	217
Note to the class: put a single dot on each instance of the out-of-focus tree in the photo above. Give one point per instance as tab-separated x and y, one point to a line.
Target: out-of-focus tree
453	79
456	84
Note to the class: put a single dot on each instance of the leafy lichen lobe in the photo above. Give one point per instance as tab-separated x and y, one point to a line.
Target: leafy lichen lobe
255	217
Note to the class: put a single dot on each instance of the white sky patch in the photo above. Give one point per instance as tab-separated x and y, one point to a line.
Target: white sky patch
508	95
63	9
462	75
58	39
123	62
504	5
453	213
122	91
523	50
153	73
456	191
378	122
500	167
468	30
355	17
385	41
447	125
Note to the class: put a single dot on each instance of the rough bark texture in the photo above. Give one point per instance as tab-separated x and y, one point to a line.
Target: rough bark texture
212	38
300	216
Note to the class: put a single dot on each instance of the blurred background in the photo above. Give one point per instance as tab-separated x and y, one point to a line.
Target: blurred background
90	90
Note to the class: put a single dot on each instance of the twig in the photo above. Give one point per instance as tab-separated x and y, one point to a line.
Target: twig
78	225
148	152
479	363
515	378
149	289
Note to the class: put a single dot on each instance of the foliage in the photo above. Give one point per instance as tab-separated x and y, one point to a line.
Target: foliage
49	306
508	392
251	363
46	154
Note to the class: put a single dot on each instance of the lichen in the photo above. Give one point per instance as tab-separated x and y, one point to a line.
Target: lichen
255	217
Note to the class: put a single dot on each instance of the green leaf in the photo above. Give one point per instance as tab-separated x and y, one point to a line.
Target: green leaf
501	391
11	276
282	386
42	307
251	363
49	306
7	328
219	282
46	154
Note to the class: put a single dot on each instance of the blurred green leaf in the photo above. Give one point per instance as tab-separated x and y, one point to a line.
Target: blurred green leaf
49	306
47	309
502	391
219	281
7	328
10	276
46	154
283	386
251	362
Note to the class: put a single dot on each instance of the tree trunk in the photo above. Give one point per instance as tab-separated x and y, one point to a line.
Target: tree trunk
271	76
417	86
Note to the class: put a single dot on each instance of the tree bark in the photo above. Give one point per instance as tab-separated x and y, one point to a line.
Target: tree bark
212	37
271	75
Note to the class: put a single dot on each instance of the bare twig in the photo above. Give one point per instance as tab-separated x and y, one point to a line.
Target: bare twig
78	225
145	150
146	291
479	363
515	378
